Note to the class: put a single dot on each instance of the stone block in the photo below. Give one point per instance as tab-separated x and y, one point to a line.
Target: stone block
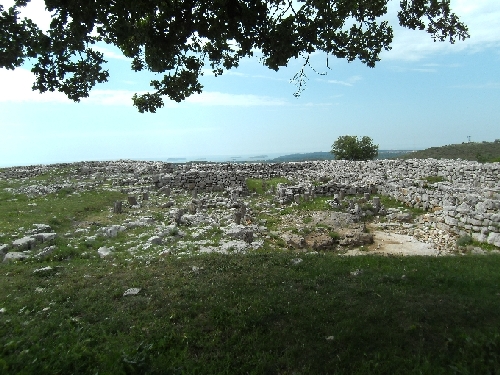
450	221
27	243
494	239
14	255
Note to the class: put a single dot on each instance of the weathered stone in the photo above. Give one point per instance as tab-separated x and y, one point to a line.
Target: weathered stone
45	271
132	200
44	237
237	217
15	255
155	240
404	216
131	292
117	207
104	251
168	204
450	221
356	239
45	252
319	241
27	243
293	240
41	228
494	239
3	250
463	208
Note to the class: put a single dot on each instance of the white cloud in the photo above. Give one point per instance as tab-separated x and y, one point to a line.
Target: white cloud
109	54
35	10
349	82
246	100
16	87
481	17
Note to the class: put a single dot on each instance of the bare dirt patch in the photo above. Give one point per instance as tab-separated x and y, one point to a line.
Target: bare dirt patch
386	243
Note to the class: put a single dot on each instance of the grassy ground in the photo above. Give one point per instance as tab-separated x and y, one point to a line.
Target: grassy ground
266	312
253	314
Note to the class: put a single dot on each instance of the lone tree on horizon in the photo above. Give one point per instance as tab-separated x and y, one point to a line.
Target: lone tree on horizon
178	38
350	147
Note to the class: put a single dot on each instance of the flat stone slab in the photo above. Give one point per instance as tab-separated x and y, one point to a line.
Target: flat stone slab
24	243
14	255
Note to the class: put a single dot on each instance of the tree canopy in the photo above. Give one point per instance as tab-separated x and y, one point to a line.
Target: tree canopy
177	38
350	147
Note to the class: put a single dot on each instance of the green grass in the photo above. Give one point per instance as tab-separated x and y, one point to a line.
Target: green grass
258	313
315	204
478	151
261	186
389	202
253	314
60	210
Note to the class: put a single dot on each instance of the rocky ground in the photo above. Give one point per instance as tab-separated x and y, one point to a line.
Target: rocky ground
151	221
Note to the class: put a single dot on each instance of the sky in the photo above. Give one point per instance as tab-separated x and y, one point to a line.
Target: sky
421	94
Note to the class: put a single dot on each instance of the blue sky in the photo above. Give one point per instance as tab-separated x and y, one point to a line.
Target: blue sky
421	94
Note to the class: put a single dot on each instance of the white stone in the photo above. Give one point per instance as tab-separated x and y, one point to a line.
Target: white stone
131	292
14	255
494	239
104	251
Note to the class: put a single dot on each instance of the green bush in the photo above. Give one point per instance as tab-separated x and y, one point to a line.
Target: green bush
464	241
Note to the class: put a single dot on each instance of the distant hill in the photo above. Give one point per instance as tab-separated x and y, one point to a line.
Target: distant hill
382	154
477	151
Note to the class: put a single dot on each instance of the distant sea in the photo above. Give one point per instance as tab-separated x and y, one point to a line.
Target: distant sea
224	158
284	156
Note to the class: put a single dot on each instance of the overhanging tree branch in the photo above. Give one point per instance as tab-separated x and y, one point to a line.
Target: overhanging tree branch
178	38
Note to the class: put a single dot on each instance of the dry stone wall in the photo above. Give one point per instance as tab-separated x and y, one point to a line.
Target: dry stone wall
466	201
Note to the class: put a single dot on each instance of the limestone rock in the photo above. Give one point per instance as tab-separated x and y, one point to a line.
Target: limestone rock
44	237
131	292
356	239
494	239
293	240
27	243
319	241
155	240
104	251
15	255
45	252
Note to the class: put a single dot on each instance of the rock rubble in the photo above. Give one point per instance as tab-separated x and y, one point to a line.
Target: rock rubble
459	198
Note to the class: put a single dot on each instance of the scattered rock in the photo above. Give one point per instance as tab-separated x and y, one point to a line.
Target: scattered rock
356	272
104	251
45	271
131	292
293	240
319	241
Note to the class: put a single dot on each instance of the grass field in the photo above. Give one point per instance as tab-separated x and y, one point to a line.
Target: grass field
270	311
253	314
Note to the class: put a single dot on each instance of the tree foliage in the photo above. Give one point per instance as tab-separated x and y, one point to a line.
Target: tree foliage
177	38
350	147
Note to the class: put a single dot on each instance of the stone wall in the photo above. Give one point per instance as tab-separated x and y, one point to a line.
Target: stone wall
467	201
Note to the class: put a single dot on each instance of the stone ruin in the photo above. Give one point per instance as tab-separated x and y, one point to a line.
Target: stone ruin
466	201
